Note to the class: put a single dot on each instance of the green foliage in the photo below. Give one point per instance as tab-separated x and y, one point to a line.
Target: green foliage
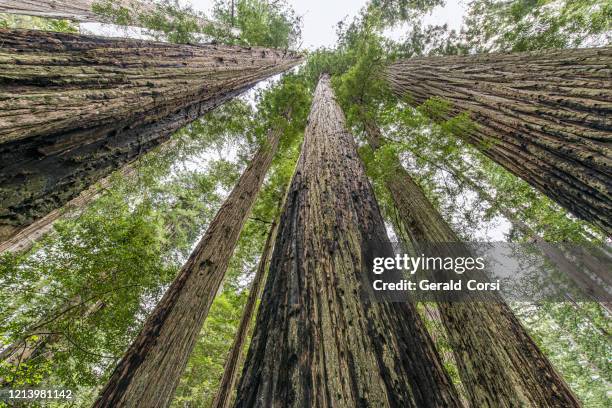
205	368
263	23
573	342
396	11
113	12
524	25
178	24
37	23
166	20
249	22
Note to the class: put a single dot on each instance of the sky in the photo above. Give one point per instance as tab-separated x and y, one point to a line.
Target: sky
321	16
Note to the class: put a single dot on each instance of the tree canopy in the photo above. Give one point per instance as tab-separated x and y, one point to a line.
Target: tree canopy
80	295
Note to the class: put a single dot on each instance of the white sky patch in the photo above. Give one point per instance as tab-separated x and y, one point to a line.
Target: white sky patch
452	14
111	30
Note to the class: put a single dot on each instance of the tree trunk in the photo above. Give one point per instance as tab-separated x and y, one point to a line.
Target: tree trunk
75	108
544	116
318	341
499	364
236	355
150	370
438	335
25	238
79	10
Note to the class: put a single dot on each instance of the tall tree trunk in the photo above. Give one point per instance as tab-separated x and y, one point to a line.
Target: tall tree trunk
25	238
438	335
80	10
150	370
543	115
318	341
236	355
499	364
75	108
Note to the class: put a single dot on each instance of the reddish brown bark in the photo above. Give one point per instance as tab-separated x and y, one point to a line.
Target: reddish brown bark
543	115
74	108
318	342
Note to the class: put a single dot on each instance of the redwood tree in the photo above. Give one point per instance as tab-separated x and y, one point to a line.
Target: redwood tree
543	115
499	363
149	372
317	340
75	108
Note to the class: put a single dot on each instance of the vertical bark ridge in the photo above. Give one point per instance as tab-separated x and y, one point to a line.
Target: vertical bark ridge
150	370
499	364
544	116
318	342
74	108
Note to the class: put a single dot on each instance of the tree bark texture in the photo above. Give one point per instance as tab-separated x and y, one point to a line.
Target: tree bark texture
499	364
227	386
544	116
74	108
150	370
318	342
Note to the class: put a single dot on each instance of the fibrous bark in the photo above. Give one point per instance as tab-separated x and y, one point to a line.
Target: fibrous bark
499	364
75	108
236	355
544	116
318	342
150	370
